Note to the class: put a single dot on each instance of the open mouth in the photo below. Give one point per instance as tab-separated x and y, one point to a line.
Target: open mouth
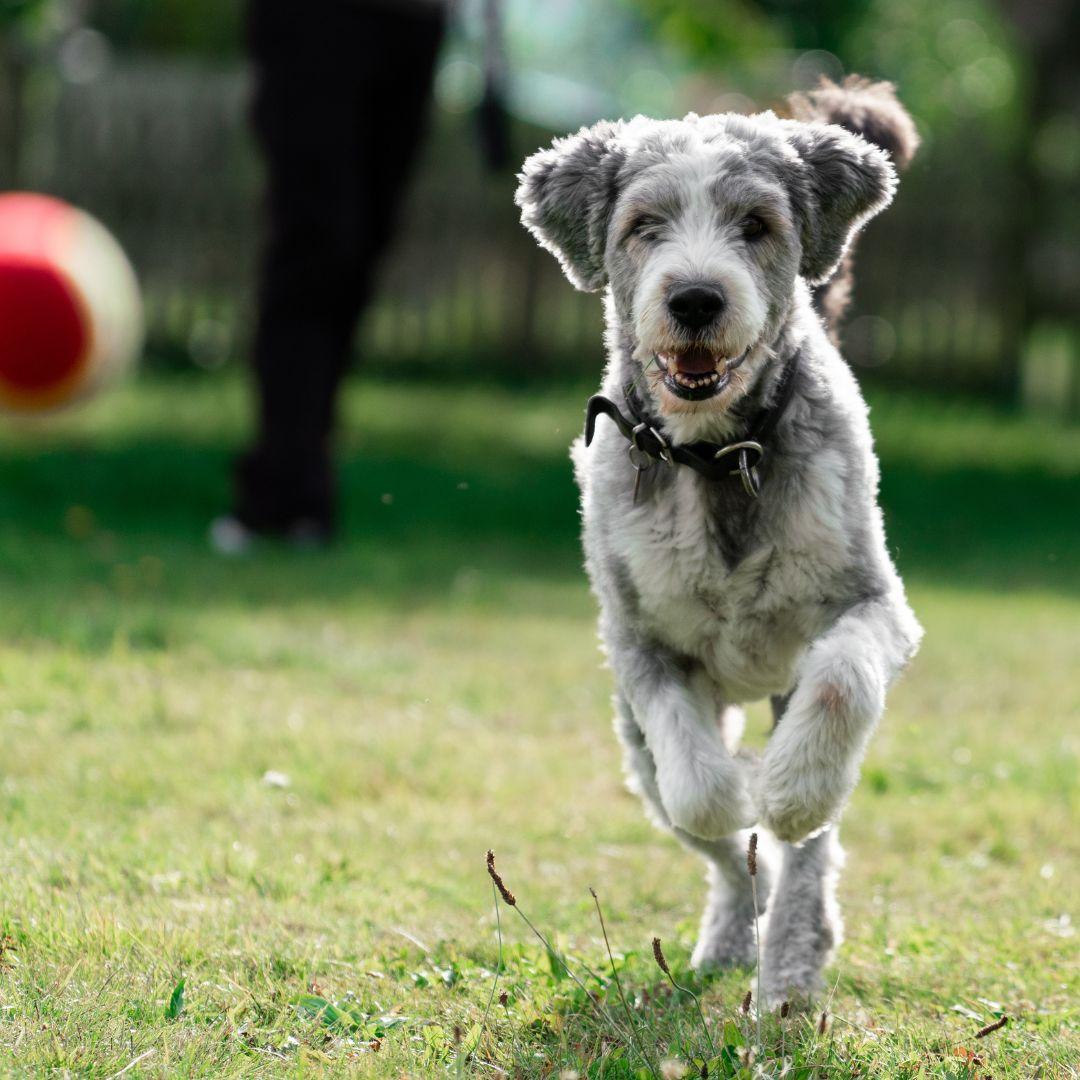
697	373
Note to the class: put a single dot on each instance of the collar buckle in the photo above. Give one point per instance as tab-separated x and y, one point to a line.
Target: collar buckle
646	456
747	470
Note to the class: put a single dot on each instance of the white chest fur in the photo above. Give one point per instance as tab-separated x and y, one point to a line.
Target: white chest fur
747	623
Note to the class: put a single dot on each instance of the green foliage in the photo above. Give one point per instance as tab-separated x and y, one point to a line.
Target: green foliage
710	33
956	63
209	28
824	24
176	1001
14	12
346	1016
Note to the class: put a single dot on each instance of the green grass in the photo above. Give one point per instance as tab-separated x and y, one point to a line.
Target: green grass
432	688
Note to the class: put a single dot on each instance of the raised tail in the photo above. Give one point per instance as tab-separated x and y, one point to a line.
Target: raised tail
872	110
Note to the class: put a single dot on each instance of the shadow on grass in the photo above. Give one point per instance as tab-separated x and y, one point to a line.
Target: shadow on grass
982	528
110	524
111	541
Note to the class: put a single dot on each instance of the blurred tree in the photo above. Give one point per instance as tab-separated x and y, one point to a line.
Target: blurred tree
13	11
196	27
996	79
825	24
31	29
1043	231
709	32
15	17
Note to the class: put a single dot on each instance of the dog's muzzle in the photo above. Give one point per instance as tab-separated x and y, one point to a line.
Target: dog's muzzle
697	373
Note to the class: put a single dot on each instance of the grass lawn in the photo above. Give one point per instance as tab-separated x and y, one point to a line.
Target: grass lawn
232	793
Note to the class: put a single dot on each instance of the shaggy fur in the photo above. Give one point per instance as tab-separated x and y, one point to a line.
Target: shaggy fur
708	599
869	109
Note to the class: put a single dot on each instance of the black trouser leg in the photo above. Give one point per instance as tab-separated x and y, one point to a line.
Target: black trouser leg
340	99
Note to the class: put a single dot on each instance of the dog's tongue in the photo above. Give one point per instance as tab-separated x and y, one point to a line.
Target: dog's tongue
696	361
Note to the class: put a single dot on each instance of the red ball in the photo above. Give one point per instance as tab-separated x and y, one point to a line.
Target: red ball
70	311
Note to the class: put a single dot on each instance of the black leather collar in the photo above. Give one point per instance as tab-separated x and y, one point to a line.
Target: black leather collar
711	460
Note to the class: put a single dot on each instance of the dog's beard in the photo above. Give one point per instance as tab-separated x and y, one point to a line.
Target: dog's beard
695	378
698	373
705	371
714	397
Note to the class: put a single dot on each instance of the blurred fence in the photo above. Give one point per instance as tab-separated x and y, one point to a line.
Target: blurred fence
159	150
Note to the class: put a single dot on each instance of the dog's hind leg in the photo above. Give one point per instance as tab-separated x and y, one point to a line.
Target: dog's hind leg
727	935
804	920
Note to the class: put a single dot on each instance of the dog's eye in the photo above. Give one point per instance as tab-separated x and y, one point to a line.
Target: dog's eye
644	227
753	227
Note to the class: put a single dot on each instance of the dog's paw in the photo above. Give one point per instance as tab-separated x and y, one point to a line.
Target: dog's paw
709	802
799	999
791	971
795	798
725	945
792	822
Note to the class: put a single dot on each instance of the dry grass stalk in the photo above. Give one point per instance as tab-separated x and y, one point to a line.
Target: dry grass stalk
508	897
662	964
498	968
751	866
511	900
997	1025
618	985
785	1010
661	959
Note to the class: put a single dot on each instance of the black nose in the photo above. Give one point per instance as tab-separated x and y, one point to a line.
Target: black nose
695	306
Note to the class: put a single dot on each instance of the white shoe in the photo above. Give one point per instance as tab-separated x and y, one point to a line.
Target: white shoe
229	536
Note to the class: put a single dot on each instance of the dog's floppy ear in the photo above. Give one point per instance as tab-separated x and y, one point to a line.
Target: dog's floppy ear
566	194
839	182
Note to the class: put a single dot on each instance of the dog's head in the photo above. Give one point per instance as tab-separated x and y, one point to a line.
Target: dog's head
701	227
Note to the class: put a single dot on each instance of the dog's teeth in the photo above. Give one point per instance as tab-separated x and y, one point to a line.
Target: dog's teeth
696	382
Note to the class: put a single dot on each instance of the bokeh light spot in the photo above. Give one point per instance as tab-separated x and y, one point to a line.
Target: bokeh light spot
459	85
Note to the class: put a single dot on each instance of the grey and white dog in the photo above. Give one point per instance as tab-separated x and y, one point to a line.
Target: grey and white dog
707	235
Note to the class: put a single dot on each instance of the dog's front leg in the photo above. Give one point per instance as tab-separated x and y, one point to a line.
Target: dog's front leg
702	788
811	764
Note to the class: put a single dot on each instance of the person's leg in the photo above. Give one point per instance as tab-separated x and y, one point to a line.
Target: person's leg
317	101
392	95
